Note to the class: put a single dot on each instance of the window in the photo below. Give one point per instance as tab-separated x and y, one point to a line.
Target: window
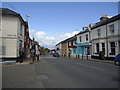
111	27
74	50
21	29
112	46
73	42
99	32
80	39
97	47
103	47
69	43
86	37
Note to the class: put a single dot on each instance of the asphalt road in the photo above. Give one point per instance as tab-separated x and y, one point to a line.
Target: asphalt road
53	72
72	73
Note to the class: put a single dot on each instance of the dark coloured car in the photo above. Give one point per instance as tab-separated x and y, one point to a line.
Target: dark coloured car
117	60
55	54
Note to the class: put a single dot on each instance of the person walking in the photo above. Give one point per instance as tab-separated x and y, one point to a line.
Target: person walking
21	54
33	54
37	54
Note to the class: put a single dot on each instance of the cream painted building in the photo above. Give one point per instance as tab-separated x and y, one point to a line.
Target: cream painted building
105	37
58	48
12	29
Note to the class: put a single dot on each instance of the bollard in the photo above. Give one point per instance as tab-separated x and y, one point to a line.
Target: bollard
87	56
78	56
82	56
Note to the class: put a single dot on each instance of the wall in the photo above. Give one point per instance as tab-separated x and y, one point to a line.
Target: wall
9	36
94	34
83	36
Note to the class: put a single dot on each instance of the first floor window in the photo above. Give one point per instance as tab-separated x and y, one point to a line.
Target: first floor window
99	32
111	27
80	39
86	37
112	47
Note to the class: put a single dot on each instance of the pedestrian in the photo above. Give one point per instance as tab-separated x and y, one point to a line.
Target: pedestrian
21	54
69	54
32	51
37	54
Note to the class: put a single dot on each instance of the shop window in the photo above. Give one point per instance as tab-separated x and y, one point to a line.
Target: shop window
74	50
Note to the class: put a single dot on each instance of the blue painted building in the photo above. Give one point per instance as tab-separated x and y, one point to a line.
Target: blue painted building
83	45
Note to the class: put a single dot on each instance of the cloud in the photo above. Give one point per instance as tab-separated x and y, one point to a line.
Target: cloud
49	42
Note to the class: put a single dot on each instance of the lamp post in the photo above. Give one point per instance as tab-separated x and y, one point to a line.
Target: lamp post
27	17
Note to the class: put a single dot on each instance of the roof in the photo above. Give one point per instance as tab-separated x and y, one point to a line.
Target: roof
64	41
6	11
114	18
81	32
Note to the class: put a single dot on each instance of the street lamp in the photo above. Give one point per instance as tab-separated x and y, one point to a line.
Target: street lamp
27	17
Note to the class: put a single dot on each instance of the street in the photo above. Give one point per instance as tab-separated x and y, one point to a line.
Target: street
60	72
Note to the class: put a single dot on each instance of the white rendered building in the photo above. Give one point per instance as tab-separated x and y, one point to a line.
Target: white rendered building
105	37
12	34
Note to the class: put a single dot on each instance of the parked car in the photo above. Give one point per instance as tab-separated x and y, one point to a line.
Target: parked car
117	60
55	54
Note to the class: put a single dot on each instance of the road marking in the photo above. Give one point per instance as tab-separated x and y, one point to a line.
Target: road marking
92	67
42	77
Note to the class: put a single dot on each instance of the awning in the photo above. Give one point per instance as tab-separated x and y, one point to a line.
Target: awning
83	44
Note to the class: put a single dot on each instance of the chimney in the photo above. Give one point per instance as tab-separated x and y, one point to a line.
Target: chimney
103	18
84	28
91	25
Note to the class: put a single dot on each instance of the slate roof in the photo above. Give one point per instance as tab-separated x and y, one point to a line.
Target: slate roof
114	18
81	32
6	11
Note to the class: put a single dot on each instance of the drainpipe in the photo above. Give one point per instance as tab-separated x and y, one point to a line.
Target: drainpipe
106	41
90	48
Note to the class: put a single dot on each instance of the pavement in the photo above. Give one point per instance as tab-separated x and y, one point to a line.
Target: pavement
29	61
92	59
106	61
20	75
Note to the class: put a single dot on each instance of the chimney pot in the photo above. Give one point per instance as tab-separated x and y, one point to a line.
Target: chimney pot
103	18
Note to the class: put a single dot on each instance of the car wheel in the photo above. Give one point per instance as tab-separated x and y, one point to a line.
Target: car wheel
117	63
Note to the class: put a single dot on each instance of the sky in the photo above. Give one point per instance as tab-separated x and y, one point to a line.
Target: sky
52	22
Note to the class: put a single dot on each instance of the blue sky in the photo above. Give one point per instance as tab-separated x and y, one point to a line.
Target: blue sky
53	20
